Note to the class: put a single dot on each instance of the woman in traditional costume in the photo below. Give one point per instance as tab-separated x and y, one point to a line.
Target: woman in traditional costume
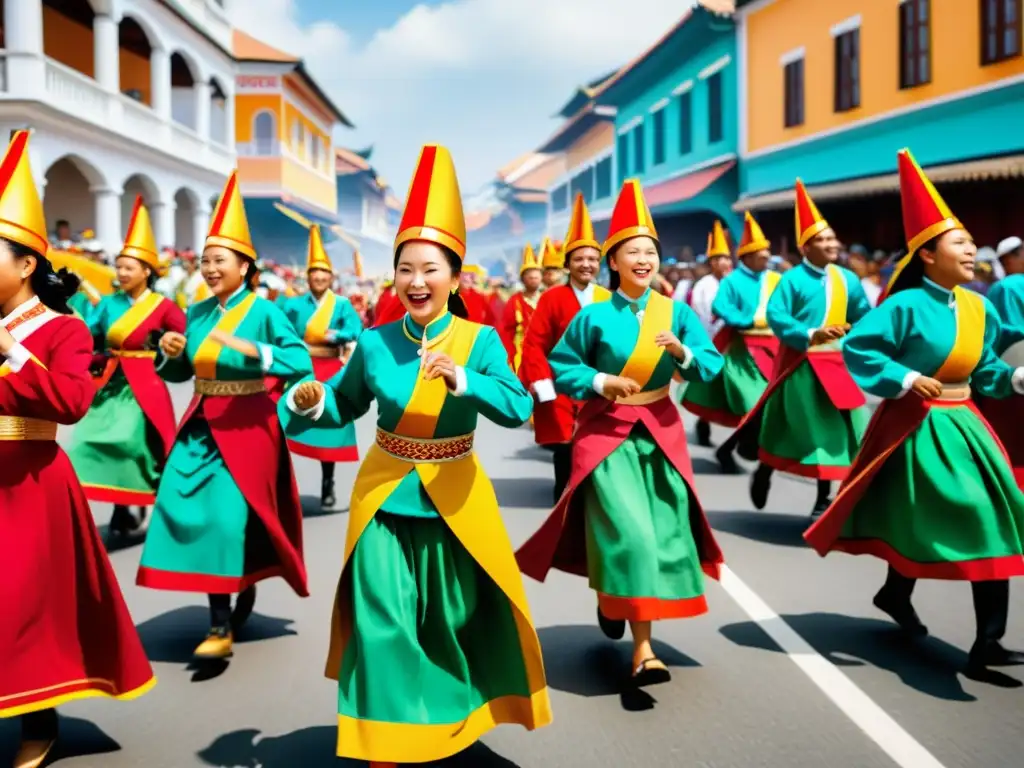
227	511
629	518
65	632
431	639
329	326
119	448
931	492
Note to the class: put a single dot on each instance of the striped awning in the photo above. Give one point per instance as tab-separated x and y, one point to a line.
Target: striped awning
1006	167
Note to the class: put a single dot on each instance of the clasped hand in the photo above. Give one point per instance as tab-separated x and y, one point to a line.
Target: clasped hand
440	365
671	344
927	387
828	334
308	394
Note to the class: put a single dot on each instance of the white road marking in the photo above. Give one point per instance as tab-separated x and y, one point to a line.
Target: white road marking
876	724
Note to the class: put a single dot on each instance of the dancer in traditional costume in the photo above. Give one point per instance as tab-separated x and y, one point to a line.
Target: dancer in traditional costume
388	308
477	304
227	511
629	517
520	307
745	340
811	417
709	401
1006	415
555	414
330	326
65	632
931	492
431	639
119	448
552	259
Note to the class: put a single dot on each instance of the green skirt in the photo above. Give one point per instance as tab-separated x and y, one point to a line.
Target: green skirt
433	638
115	449
803	433
728	397
642	558
946	496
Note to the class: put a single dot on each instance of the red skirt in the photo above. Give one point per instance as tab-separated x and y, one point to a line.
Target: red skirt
66	632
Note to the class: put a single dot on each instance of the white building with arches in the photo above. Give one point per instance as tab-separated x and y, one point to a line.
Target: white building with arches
124	97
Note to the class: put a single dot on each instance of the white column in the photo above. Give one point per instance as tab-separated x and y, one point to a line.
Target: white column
106	52
107	218
160	82
23	35
229	120
200	226
203	93
162	215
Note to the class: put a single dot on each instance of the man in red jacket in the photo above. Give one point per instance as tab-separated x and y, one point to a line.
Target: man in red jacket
520	308
554	414
477	304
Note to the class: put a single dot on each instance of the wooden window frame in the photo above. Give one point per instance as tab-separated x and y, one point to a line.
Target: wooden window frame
915	56
716	109
1002	30
847	71
794	93
659	136
685	101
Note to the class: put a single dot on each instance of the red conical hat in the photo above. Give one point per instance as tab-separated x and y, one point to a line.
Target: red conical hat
630	218
808	221
229	226
753	239
433	207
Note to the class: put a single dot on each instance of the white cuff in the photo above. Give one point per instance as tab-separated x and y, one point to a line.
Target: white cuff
811	332
598	383
313	414
545	390
18	357
461	382
687	358
1018	381
908	382
266	357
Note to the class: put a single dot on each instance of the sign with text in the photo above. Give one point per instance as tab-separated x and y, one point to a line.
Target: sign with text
257	84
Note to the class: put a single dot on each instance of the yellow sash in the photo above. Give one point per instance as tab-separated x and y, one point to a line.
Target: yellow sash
320	322
836	298
465	500
970	338
768	284
646	354
129	322
601	294
205	362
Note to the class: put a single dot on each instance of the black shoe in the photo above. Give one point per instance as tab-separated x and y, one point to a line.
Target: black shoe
327	500
703	430
902	612
760	484
820	507
614	629
243	608
727	461
993	654
121	521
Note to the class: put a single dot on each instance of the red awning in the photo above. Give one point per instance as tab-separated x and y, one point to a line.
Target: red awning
686	187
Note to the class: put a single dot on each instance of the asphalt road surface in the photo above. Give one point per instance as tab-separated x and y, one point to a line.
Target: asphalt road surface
792	667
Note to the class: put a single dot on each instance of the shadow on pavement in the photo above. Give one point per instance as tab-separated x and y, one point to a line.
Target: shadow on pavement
929	665
524	492
78	738
311	506
533	453
315	748
765	527
172	637
702	466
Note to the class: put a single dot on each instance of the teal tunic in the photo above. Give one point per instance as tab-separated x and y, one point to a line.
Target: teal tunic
732	394
642	556
81	305
115	447
1007	297
323	442
800	426
947	494
200	520
433	637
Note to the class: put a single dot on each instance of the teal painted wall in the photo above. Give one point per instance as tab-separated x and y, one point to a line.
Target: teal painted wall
982	125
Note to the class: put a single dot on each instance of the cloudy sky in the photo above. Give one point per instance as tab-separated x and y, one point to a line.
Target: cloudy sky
483	77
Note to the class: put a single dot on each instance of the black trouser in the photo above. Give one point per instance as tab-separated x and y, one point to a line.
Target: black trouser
327	468
563	467
991	603
824	486
39	726
220	611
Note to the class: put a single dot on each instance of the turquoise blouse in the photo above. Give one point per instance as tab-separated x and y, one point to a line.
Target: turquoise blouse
738	297
344	327
797	306
1007	296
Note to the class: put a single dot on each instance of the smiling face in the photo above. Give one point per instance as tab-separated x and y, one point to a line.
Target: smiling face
757	261
952	261
223	270
822	249
531	279
132	274
584	265
424	280
319	281
14	272
637	261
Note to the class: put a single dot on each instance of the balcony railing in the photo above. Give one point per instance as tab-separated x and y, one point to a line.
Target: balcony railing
209	15
82	98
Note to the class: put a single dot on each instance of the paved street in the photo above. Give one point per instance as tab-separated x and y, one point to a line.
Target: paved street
828	684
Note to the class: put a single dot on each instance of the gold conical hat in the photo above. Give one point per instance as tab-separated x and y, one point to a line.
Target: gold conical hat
229	226
139	242
317	257
21	211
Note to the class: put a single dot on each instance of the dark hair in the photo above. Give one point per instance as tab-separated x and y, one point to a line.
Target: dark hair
53	288
455	303
913	273
614	280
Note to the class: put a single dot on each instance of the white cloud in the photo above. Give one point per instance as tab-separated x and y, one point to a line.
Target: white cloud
481	76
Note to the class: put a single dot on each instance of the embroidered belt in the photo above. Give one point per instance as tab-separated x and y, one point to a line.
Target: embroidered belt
21	428
424	450
960	390
757	332
141	353
214	388
644	398
320	350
